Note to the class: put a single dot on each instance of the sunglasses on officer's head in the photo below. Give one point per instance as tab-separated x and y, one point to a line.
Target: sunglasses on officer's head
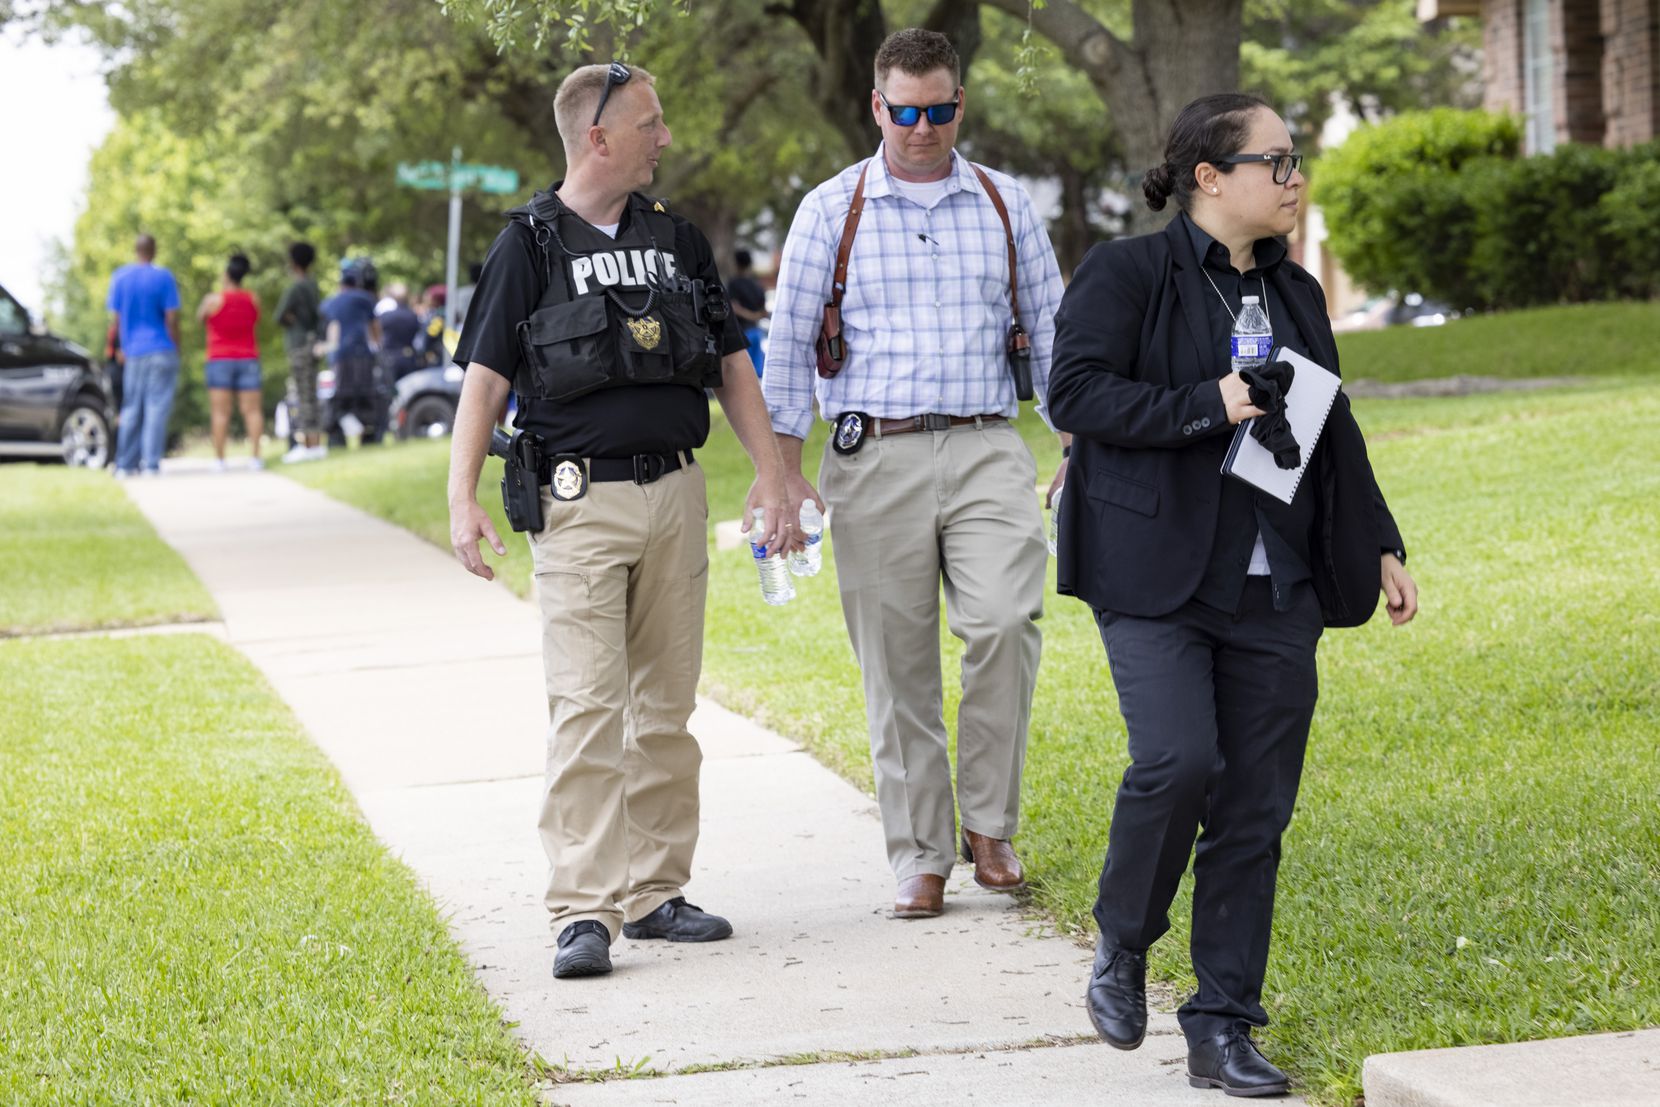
1284	164
908	115
618	74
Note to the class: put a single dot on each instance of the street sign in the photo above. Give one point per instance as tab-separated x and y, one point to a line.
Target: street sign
424	174
436	176
456	177
486	178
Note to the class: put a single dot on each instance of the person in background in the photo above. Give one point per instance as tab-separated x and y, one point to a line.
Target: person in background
464	294
399	328
353	335
749	304
144	299
232	371
429	344
114	363
299	314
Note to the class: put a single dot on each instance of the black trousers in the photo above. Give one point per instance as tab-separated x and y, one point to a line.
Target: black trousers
1218	708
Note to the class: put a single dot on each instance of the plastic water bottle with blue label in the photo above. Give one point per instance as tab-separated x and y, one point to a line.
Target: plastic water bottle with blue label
806	562
776	587
1253	337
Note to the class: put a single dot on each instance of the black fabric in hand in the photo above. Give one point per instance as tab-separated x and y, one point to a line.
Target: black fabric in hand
1269	383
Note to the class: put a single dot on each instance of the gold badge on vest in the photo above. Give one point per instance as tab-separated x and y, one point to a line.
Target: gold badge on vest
647	331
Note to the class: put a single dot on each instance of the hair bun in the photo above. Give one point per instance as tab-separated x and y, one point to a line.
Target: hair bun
1157	186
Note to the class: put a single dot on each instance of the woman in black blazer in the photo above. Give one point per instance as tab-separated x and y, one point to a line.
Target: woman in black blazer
1210	596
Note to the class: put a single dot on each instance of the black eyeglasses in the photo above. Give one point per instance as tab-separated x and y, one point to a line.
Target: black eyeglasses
618	74
1284	164
908	115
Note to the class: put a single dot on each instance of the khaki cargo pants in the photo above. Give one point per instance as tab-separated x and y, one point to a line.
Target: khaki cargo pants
621	576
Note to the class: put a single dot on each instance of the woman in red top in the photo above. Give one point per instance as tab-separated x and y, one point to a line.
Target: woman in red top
230	316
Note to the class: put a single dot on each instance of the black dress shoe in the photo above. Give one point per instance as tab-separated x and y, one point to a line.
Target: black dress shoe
1117	996
679	921
584	950
1229	1060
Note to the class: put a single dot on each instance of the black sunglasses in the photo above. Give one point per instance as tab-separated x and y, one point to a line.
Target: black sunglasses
1284	164
618	74
908	115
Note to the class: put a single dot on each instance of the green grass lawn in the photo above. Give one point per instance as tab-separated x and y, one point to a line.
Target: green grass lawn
1547	342
194	912
1476	855
76	554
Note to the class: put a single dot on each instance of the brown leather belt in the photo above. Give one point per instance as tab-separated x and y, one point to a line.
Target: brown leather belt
929	422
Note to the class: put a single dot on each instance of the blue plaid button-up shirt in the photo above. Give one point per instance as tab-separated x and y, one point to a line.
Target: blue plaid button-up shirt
926	314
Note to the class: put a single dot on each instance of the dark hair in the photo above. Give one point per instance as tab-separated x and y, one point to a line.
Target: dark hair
1210	127
348	279
917	52
237	268
742	258
302	254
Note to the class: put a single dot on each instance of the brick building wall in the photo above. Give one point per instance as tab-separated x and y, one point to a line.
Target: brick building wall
1501	55
1605	75
1631	70
1576	44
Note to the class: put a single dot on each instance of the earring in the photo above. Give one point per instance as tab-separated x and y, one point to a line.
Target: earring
1213	192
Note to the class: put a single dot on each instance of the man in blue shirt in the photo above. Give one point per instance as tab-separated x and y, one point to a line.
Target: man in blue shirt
353	335
144	299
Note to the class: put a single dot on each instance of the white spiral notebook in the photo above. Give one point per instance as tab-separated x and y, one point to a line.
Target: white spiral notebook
1314	389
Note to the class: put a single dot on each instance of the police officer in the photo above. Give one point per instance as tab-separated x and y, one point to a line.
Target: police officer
601	309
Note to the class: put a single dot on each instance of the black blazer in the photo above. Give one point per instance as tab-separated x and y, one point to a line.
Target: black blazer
1132	383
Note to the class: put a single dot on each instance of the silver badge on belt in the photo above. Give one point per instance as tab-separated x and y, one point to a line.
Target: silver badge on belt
570	479
850	432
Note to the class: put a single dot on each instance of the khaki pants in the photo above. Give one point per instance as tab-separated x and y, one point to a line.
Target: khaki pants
621	576
909	512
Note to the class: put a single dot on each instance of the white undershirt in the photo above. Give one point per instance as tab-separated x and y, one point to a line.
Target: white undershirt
1259	559
924	193
609	230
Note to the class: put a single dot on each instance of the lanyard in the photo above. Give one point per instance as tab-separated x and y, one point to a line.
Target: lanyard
1229	310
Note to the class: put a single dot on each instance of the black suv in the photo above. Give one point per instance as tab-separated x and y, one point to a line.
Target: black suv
55	403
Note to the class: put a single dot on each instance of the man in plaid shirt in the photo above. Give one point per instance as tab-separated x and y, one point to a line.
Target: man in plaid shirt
926	478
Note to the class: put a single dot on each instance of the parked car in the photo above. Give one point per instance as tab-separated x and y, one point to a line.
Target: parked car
424	402
1395	310
55	401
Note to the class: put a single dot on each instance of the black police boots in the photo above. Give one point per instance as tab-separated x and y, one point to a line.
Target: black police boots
679	921
1229	1060
584	950
1117	996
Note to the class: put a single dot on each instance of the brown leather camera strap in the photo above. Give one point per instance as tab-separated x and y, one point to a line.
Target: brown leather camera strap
1008	235
838	284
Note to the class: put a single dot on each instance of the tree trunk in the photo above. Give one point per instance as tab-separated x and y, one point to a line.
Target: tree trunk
1073	236
1179	50
846	34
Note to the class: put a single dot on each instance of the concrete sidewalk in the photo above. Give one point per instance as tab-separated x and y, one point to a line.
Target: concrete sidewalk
424	685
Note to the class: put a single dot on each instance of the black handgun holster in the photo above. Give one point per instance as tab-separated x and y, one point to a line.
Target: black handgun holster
521	483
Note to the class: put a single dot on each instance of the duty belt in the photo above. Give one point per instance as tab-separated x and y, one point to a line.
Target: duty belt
641	468
929	422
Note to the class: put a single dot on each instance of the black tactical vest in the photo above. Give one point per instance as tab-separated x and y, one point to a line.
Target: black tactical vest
614	311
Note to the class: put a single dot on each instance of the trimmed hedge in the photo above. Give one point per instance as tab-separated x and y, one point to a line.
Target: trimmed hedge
1440	203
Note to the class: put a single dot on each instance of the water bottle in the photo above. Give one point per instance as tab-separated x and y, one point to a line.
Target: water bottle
1252	336
806	562
1055	521
776	587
